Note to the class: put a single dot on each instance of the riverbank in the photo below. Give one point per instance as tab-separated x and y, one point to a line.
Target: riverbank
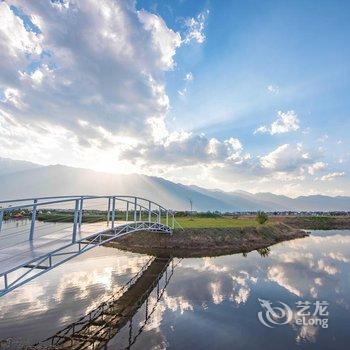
199	242
315	222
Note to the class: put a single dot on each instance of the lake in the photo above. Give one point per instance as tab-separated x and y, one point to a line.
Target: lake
208	303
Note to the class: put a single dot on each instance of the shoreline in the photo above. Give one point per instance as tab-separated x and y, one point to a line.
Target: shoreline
315	222
200	242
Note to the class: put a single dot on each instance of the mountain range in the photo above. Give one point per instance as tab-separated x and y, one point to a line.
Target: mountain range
20	179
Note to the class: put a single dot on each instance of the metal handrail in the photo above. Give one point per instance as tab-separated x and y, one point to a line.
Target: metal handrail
69	199
78	200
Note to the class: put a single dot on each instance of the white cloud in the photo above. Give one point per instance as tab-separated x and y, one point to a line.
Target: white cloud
189	77
182	92
286	122
287	157
15	40
316	167
164	39
102	62
332	176
186	149
195	28
273	89
13	97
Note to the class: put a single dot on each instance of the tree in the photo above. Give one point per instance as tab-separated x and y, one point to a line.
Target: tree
261	217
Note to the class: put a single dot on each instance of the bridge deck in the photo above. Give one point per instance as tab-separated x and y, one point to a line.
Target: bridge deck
29	248
16	249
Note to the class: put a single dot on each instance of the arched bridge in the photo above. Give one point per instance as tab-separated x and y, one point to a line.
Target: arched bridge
39	234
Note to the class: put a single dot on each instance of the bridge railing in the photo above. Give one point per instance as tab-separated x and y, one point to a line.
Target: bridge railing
134	209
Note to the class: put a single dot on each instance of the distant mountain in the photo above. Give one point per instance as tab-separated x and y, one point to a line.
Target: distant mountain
8	166
20	179
62	180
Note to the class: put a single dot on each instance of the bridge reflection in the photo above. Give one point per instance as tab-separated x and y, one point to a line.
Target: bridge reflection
95	329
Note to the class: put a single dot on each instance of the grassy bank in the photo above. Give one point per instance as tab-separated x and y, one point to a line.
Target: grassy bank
199	242
216	222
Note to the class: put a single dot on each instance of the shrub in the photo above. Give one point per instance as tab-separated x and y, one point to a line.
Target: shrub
261	217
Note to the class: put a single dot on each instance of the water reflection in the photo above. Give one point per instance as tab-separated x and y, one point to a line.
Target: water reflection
99	326
209	302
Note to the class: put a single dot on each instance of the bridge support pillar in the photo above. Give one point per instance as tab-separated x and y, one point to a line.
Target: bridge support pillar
149	212
113	211
32	224
135	210
76	219
1	218
109	211
127	212
81	212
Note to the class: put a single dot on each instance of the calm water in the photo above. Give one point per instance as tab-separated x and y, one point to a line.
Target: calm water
209	303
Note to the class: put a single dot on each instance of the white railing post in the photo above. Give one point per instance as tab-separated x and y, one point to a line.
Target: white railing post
140	213
113	211
167	218
127	212
32	224
135	210
1	218
173	223
108	210
160	215
81	211
149	212
75	222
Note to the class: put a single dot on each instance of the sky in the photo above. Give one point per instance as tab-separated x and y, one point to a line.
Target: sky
233	95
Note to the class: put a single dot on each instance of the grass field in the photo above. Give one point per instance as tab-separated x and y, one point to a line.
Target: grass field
184	221
220	222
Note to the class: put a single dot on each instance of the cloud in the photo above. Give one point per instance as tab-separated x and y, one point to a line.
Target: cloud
182	92
332	176
187	149
273	89
164	39
13	97
189	77
98	61
287	157
286	122
316	167
195	28
15	40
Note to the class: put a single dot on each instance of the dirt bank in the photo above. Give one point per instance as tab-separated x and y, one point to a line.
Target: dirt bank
207	242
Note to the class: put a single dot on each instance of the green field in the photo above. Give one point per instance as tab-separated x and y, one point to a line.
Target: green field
198	221
219	222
